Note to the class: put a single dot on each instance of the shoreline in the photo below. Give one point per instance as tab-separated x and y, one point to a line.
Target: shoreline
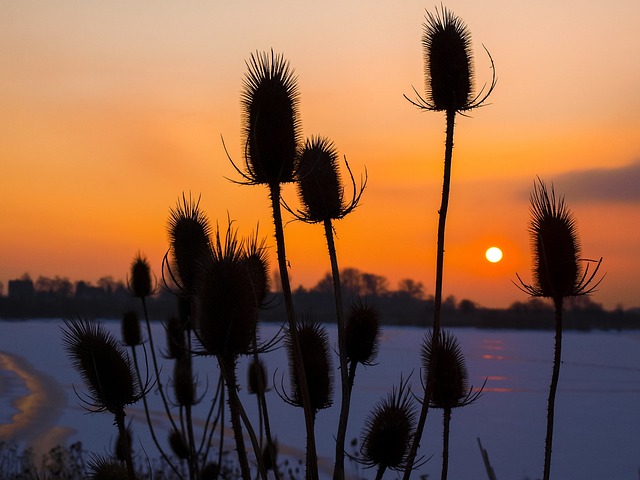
34	423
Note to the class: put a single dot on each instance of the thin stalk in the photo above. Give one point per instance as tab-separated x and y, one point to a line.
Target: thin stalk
127	448
193	464
442	220
446	421
380	472
207	435
338	472
557	355
148	417
221	426
264	412
311	455
156	370
193	460
227	366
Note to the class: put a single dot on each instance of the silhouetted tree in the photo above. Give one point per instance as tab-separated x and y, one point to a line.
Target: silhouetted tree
411	288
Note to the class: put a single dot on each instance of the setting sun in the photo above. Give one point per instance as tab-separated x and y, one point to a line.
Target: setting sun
493	254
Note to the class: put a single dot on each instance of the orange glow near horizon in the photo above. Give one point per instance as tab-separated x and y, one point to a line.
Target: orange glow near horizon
110	114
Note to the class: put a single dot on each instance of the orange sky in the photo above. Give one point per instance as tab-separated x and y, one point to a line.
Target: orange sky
110	110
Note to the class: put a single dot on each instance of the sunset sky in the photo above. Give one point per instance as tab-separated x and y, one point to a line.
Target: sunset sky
111	110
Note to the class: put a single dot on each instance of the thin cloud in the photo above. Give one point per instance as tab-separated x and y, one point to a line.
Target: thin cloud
620	185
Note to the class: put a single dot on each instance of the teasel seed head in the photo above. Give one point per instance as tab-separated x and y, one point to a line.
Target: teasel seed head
101	468
131	333
225	307
271	122
362	333
556	249
184	385
189	242
257	377
316	360
176	338
448	65
444	361
103	365
320	189
319	186
140	283
178	445
388	430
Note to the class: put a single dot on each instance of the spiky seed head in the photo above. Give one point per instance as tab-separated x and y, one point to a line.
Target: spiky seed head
178	445
131	333
103	365
271	121
101	468
176	338
225	308
444	361
448	68
319	186
140	284
257	265
123	445
184	386
257	377
362	332
555	245
316	360
388	430
189	239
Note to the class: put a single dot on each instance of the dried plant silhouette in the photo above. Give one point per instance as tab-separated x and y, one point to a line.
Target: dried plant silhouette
443	361
317	365
321	195
449	88
221	283
387	432
225	323
557	274
106	371
271	130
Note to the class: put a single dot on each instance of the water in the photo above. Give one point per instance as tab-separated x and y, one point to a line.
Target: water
597	434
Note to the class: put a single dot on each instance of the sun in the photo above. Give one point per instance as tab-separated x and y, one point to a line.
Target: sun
493	254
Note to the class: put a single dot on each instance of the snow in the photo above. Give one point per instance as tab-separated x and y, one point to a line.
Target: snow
597	414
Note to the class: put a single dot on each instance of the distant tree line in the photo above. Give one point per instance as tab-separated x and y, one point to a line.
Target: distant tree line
408	304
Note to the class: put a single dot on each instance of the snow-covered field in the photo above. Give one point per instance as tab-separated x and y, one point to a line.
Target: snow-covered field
597	428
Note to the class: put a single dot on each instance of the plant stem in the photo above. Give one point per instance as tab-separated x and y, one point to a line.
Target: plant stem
442	220
122	430
156	370
338	472
264	412
311	455
228	368
446	420
380	472
148	417
557	353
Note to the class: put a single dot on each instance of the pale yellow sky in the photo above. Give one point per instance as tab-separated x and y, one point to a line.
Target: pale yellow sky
110	110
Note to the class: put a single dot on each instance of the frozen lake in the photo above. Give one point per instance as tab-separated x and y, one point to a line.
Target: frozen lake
597	427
